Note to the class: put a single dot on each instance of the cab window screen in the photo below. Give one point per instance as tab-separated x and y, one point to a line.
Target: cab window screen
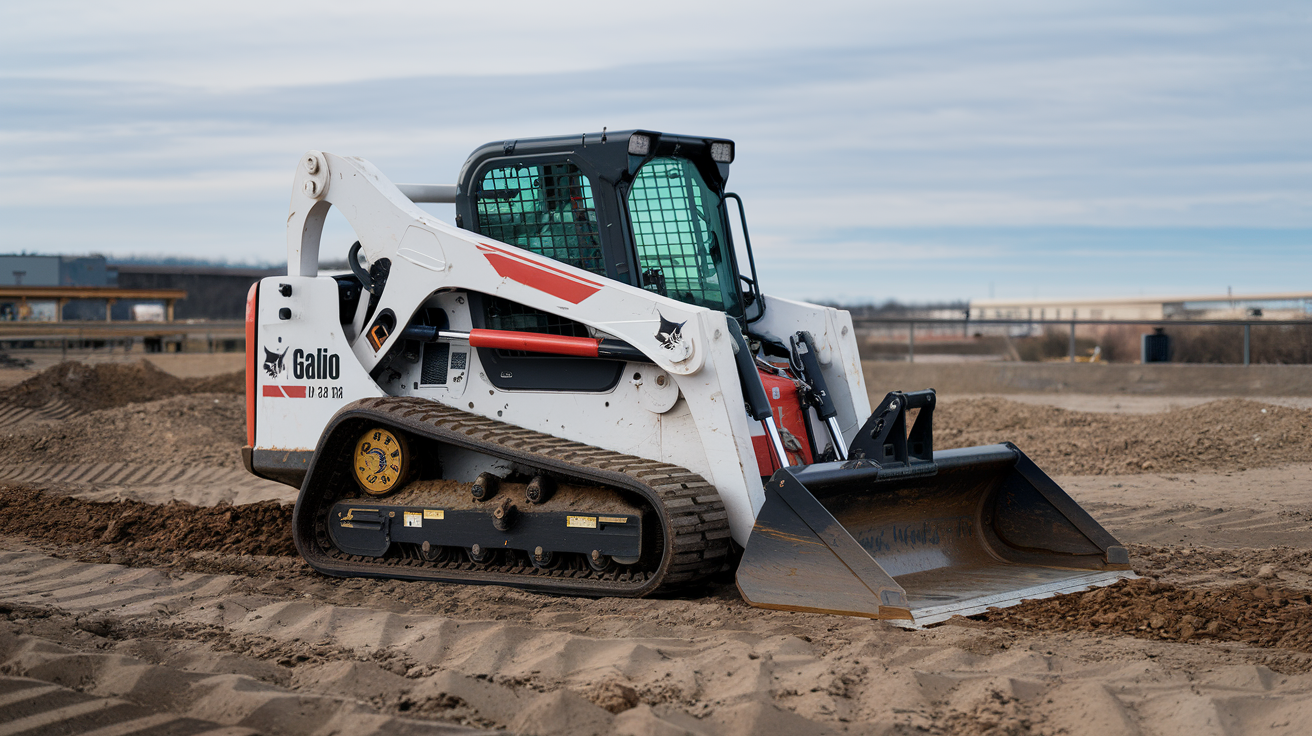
679	232
546	209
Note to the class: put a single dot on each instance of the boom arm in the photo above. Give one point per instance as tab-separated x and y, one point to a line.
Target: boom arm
419	256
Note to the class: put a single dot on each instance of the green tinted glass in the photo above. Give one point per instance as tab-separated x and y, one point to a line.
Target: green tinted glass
546	209
679	231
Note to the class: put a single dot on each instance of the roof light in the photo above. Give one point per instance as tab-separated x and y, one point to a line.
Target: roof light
721	151
639	144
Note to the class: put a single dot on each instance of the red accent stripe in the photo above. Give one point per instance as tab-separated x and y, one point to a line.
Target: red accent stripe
274	391
543	278
546	266
290	392
252	361
533	342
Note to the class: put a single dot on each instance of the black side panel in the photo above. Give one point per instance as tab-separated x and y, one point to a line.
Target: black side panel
511	371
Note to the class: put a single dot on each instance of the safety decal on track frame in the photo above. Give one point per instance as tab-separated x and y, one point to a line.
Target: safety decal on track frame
581	522
434	513
414	518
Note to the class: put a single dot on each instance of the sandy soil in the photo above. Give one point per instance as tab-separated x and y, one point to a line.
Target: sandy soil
122	598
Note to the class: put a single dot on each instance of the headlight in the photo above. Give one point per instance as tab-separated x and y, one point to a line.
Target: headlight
721	151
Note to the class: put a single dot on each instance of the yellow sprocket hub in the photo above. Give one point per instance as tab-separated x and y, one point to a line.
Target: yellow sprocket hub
381	461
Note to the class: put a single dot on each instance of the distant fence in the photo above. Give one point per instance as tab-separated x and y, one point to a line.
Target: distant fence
939	327
155	336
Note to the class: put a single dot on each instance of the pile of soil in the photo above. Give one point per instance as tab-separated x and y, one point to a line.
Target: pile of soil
256	529
1209	566
195	429
1231	434
107	385
1256	614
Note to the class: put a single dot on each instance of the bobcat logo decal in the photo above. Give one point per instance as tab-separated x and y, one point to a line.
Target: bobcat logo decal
670	334
273	363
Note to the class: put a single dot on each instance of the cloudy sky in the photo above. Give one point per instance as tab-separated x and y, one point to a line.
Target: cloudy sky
918	151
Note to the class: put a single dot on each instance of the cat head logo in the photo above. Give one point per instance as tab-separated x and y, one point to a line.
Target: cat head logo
273	362
670	334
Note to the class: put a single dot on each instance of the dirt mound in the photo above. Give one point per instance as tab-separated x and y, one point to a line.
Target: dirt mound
1232	434
1256	614
107	385
198	429
257	529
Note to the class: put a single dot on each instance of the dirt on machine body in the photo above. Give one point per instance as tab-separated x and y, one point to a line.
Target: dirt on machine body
581	387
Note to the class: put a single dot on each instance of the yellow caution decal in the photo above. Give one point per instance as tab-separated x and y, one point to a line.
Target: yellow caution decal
612	519
414	518
434	514
581	522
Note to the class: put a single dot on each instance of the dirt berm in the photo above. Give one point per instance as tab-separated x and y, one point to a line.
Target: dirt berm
105	385
1231	434
1165	379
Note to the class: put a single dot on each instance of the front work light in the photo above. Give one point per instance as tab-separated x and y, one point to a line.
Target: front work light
721	151
639	144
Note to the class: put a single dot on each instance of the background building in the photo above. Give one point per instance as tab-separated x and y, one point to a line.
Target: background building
213	292
1296	305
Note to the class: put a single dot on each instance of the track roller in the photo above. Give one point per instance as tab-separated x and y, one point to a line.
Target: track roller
433	553
539	489
480	555
544	560
598	562
485	487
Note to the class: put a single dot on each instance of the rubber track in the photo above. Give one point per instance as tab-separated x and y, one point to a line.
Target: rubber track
695	536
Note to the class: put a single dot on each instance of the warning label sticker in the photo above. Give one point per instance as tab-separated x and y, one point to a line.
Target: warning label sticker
433	513
414	518
581	522
612	519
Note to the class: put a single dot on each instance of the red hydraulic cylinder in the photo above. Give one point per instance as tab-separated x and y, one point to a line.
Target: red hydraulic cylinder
533	342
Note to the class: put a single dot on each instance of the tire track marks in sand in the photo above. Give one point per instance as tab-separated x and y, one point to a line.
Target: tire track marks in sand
32	706
534	664
12	415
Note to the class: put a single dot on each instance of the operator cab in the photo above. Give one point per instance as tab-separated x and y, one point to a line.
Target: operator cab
640	207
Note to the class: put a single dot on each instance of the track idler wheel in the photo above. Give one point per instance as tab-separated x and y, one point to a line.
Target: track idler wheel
381	461
539	489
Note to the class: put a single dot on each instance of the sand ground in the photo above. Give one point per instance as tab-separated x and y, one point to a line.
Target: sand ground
96	631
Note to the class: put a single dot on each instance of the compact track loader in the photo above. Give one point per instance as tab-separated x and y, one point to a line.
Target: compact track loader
578	389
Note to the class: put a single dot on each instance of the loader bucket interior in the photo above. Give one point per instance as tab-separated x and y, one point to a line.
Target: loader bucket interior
919	540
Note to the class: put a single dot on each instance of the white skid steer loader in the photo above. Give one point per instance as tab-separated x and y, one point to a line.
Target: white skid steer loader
575	389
